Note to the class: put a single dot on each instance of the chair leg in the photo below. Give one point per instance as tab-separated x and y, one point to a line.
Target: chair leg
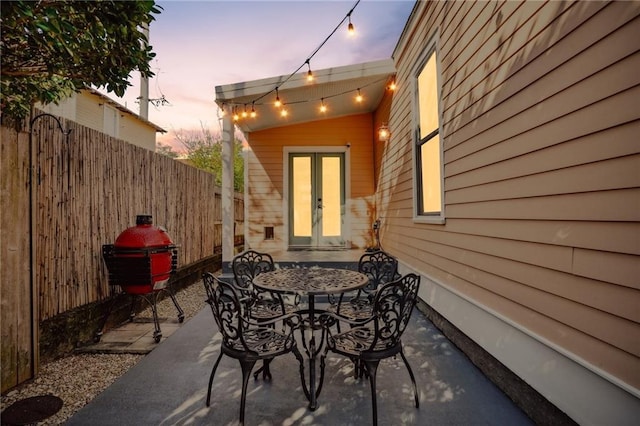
266	372
372	367
213	373
247	366
323	357
358	368
413	379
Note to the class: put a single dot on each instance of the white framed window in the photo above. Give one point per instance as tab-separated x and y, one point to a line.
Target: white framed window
428	152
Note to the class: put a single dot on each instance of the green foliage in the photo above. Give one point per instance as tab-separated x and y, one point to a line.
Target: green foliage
165	149
51	49
204	151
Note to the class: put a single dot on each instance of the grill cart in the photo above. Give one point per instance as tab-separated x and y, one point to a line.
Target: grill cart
140	263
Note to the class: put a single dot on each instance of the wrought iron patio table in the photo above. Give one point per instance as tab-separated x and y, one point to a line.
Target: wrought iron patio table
311	282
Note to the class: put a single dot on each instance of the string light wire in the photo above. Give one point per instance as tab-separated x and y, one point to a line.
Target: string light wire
347	16
325	97
278	103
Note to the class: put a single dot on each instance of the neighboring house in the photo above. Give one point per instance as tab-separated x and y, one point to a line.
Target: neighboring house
97	111
510	182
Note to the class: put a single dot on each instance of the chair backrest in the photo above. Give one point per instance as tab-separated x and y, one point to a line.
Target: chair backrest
247	265
392	309
380	267
227	310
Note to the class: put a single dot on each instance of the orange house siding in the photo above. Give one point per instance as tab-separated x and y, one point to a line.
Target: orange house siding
265	180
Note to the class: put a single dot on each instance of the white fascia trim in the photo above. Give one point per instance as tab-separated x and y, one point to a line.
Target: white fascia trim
328	75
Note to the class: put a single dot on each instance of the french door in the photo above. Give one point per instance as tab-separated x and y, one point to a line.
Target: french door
317	200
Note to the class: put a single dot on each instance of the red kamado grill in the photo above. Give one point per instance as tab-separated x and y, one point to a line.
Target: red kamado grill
140	262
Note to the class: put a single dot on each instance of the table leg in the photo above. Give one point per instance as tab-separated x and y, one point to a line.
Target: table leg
313	400
312	350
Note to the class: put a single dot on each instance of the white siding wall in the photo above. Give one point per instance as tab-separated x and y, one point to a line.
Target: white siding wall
90	110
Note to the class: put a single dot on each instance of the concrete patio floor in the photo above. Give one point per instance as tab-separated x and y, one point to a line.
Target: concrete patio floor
169	386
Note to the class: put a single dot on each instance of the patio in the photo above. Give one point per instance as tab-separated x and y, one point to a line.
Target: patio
169	386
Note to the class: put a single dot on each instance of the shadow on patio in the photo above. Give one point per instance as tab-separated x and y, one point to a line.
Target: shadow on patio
169	386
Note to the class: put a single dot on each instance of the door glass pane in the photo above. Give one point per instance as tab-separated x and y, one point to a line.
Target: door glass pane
430	156
302	196
331	196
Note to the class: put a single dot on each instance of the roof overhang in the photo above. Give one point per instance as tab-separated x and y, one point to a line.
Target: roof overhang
335	87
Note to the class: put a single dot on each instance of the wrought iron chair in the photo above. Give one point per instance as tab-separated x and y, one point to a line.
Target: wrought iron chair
264	305
381	268
378	337
243	339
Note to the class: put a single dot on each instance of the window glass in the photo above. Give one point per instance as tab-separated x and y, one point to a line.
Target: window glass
430	155
428	97
429	147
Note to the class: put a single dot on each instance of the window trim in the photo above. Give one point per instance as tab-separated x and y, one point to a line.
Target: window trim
433	218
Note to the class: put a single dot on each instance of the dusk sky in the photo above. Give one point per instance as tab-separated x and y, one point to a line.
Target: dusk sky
203	44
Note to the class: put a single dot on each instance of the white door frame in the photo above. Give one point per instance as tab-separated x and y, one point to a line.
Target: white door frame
343	149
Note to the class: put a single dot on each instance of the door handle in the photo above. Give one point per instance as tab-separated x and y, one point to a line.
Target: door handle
319	205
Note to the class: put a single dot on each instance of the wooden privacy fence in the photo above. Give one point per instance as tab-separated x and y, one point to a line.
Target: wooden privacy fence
85	189
90	189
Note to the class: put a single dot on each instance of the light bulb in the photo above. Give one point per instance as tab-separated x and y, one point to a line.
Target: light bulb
358	96
323	107
383	133
350	28
309	73
277	103
253	112
284	112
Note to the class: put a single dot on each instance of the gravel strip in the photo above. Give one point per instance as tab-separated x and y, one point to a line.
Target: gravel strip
79	378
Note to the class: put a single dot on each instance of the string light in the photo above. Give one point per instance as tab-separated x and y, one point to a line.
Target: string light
309	73
277	103
350	28
310	77
239	114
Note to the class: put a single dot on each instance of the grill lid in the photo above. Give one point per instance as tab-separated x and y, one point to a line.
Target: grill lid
143	235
